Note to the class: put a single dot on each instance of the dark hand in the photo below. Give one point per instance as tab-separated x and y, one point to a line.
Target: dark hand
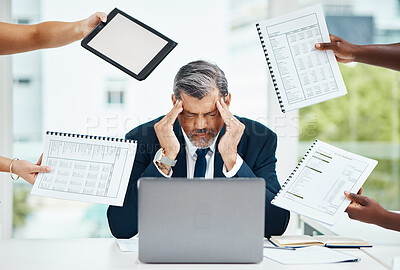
343	50
363	208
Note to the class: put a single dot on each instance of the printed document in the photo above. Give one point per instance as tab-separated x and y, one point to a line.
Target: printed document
86	168
316	187
308	255
301	74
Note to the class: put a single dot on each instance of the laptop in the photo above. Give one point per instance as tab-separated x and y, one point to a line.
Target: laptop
201	220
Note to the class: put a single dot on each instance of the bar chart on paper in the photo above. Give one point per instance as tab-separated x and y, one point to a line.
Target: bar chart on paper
86	168
316	186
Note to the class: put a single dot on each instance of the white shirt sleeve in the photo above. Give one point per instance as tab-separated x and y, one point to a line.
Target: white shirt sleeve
235	169
162	173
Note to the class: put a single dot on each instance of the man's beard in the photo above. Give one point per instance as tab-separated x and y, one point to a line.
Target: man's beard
204	142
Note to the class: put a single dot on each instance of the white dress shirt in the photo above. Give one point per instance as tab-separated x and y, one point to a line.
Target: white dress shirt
191	158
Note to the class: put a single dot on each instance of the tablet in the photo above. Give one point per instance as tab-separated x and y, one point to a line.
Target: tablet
128	44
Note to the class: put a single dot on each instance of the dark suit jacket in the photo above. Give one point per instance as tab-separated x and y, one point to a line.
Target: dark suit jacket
257	149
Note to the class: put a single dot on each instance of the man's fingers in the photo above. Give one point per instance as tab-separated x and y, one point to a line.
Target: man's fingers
224	111
173	114
356	198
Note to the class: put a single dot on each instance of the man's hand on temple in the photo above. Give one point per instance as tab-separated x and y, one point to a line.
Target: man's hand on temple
165	133
233	133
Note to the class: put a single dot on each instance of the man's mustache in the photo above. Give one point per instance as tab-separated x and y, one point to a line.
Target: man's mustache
203	131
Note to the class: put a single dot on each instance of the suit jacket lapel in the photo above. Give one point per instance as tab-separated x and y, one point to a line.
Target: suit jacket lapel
180	169
218	162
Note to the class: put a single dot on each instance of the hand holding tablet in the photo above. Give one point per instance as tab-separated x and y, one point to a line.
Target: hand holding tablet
128	44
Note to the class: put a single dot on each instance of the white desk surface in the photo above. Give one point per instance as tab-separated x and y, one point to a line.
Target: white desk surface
386	242
105	254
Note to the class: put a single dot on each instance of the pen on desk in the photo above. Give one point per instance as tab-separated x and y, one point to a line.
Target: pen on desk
353	260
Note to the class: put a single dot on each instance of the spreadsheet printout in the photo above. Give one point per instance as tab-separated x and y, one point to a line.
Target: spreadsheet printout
301	74
86	168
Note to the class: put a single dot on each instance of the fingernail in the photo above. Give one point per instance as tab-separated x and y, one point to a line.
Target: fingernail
48	169
317	45
346	193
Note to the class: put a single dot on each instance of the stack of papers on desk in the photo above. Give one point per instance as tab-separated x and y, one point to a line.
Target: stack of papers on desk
318	240
128	245
308	255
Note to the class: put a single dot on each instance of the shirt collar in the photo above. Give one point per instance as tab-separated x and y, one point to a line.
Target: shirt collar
192	149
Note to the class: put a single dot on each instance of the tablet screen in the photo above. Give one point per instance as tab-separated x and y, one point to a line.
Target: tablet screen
127	43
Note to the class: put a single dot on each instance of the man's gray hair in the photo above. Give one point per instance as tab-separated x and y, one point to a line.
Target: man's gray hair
199	78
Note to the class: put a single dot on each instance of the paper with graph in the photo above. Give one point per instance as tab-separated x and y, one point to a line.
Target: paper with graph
316	186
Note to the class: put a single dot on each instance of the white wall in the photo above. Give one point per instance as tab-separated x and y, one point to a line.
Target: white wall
74	78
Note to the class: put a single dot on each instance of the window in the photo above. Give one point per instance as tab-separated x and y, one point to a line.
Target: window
366	120
115	91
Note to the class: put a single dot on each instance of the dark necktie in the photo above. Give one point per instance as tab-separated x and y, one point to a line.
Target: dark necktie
201	162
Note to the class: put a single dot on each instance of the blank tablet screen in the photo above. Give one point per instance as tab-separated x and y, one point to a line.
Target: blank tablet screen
127	43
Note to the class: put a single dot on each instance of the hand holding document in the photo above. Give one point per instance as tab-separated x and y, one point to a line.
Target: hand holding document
86	168
301	75
316	186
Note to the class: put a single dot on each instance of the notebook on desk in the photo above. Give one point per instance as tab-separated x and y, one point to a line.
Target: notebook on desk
201	221
333	241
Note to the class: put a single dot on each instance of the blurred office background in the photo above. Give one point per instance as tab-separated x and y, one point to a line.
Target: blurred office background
69	89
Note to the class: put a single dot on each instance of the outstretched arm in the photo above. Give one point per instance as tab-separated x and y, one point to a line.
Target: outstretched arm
370	211
15	38
23	168
383	55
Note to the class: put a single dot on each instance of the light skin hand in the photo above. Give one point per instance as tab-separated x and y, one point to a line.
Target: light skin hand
165	133
343	50
29	171
233	133
17	38
86	25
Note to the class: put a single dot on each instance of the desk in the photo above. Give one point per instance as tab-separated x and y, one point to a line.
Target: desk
43	254
386	242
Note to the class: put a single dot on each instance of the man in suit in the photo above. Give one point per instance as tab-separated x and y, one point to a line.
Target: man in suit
200	137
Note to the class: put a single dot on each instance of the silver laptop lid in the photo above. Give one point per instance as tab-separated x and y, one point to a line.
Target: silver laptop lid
201	221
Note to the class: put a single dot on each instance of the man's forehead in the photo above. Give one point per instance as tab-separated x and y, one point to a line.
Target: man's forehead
205	105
